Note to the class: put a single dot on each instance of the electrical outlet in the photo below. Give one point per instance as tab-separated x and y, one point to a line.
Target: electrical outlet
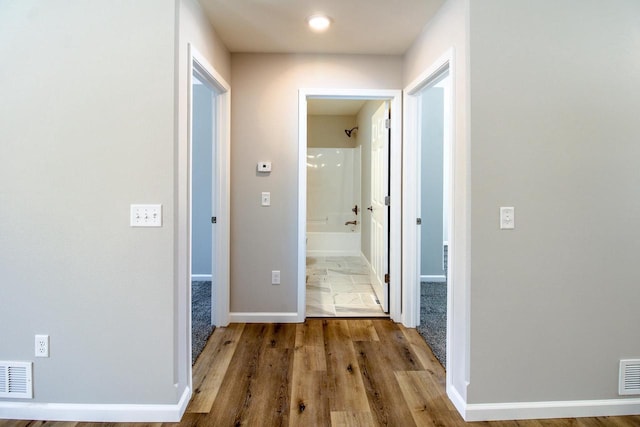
275	277
42	345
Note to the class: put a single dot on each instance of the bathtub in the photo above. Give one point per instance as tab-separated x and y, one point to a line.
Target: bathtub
330	237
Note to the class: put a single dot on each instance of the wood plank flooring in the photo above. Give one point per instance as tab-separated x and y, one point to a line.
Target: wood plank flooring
324	372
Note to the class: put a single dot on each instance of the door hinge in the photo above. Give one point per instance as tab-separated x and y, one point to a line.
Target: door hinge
386	278
419	221
214	219
387	200
387	123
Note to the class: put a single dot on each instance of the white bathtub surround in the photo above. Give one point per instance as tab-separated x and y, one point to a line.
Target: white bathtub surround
340	287
333	181
323	244
333	190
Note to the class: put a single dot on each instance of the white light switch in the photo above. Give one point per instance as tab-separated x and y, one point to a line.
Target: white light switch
507	218
266	198
146	216
275	277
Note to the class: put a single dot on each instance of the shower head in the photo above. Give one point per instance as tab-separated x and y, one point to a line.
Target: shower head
350	131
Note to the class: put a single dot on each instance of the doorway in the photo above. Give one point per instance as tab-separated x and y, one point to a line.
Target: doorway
207	240
432	242
347	244
352	221
203	176
434	205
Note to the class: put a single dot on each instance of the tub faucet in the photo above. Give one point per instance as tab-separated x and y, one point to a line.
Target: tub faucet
351	223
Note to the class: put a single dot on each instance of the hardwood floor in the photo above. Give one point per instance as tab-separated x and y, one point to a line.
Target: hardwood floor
325	372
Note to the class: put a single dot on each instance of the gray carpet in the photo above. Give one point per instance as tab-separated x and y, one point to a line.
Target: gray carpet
201	327
433	318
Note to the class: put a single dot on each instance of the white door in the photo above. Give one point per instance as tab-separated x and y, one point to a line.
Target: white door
378	209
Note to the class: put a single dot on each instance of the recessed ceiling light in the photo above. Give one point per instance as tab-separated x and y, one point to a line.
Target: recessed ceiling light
319	22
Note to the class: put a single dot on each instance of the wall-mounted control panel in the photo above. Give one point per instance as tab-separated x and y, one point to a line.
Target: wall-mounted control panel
146	216
264	167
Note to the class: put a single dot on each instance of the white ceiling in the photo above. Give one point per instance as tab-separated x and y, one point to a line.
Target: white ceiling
384	27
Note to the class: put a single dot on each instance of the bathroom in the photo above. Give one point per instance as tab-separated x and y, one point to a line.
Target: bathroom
339	175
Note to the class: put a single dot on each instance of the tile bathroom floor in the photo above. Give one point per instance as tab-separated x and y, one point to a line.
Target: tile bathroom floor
340	287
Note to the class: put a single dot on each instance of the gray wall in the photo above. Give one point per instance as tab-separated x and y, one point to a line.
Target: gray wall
548	108
264	126
88	88
554	129
90	98
431	167
202	179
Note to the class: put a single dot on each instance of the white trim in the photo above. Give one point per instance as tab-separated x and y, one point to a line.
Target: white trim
558	409
90	412
411	184
395	223
458	308
455	398
201	277
220	292
263	317
428	278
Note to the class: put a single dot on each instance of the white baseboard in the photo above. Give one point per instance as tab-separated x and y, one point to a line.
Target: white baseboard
201	277
560	409
439	279
264	318
92	412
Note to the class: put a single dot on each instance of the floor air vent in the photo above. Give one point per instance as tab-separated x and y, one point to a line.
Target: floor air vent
16	380
629	377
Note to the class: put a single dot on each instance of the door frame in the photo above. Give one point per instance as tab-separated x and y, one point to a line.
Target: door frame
395	220
458	325
221	193
411	186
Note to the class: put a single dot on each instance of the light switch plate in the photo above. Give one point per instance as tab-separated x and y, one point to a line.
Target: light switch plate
507	218
146	216
266	198
275	277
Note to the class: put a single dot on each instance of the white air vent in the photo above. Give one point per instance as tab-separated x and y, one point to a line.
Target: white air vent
629	377
16	380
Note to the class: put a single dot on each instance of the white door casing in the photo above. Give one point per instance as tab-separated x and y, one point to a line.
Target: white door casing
394	99
221	194
378	209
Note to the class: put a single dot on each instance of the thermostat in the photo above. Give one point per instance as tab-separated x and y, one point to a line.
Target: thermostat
264	166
